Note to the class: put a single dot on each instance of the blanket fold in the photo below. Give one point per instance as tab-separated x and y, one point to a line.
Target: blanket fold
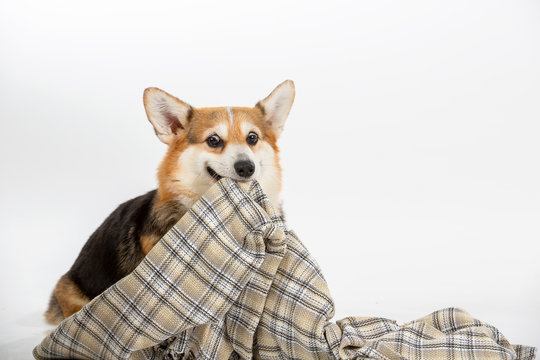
230	281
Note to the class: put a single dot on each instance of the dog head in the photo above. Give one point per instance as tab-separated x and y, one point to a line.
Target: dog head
206	144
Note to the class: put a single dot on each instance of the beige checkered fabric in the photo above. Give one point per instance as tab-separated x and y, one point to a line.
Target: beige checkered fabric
229	281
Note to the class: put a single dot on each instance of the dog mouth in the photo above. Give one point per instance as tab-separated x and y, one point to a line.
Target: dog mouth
213	174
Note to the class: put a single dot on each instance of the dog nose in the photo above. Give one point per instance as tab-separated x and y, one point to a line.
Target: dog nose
244	168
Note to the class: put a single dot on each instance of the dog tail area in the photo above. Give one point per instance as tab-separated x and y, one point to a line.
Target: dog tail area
54	314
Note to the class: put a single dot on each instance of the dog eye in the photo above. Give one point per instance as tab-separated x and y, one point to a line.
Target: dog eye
252	138
214	141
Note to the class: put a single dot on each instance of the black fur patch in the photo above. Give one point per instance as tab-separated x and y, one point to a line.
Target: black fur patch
114	249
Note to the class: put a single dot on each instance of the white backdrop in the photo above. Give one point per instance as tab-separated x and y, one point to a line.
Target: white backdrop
411	155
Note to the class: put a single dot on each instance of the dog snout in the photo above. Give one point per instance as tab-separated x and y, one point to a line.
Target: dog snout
244	168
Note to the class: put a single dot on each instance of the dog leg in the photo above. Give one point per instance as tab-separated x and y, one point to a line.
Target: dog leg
54	314
68	298
148	242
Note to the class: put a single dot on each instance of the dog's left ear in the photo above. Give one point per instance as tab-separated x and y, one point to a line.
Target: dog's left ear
168	115
277	105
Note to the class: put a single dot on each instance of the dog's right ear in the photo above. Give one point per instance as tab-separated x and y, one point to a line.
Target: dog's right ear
168	115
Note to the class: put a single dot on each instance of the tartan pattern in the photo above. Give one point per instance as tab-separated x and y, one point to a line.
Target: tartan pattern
229	281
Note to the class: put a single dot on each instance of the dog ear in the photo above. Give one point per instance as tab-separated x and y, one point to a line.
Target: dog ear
277	105
168	115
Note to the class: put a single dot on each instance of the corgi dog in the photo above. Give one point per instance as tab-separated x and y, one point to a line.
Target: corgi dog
204	145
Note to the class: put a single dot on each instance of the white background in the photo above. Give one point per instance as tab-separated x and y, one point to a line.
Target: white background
411	155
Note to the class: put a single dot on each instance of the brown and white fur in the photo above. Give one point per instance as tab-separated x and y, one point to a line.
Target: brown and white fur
204	144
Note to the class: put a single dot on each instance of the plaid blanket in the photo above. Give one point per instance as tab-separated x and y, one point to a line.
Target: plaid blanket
230	281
